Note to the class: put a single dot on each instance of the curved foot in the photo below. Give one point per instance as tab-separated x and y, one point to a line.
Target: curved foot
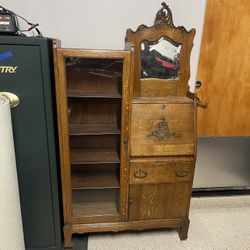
67	230
183	230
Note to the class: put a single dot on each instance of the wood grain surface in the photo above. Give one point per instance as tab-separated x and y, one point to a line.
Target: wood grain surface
146	120
224	69
146	171
93	129
94	180
159	201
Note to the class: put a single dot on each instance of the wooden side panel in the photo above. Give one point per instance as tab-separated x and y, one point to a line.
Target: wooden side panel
159	201
162	129
124	173
62	116
224	69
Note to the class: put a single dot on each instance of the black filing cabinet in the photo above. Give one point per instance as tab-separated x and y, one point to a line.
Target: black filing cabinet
26	70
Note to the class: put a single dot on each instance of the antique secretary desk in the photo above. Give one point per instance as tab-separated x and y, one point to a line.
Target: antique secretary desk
127	130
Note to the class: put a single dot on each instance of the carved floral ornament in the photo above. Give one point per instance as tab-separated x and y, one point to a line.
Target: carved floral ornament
163	18
162	132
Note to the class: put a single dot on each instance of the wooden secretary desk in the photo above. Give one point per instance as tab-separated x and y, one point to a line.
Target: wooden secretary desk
127	129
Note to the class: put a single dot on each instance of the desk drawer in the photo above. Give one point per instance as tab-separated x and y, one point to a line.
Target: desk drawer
161	171
162	129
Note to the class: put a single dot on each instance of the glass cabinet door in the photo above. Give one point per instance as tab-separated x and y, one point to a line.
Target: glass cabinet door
94	97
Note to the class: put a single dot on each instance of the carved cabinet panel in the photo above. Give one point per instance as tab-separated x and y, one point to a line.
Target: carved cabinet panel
160	129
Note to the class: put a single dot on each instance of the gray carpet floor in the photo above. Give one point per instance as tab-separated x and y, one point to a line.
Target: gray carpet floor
217	223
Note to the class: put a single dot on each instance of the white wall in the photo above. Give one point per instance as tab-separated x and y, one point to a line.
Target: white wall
102	24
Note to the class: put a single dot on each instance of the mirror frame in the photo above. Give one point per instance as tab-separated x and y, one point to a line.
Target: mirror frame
163	27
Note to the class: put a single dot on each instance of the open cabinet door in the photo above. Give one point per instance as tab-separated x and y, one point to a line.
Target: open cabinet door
223	117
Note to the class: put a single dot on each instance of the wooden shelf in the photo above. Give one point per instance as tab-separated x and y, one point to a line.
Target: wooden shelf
94	180
95	202
83	94
94	156
93	129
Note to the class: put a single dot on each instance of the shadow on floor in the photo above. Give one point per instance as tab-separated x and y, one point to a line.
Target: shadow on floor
80	242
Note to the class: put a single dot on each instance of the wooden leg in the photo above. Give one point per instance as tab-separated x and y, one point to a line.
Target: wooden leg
183	231
67	230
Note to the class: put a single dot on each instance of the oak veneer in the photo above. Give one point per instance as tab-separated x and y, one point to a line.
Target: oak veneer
163	129
95	202
94	180
94	156
159	201
83	94
93	129
161	171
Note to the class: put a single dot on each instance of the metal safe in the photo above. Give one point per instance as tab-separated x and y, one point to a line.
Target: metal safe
26	70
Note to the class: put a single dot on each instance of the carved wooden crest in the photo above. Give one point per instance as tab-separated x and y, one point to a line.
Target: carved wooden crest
164	16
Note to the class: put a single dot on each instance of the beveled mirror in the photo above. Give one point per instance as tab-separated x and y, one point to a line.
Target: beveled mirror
160	59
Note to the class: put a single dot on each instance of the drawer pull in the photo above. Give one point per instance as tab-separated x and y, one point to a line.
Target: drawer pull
181	173
140	173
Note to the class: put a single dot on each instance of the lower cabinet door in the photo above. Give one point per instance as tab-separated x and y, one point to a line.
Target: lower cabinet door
159	201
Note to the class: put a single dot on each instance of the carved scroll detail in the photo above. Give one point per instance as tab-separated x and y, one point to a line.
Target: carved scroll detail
164	17
162	131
